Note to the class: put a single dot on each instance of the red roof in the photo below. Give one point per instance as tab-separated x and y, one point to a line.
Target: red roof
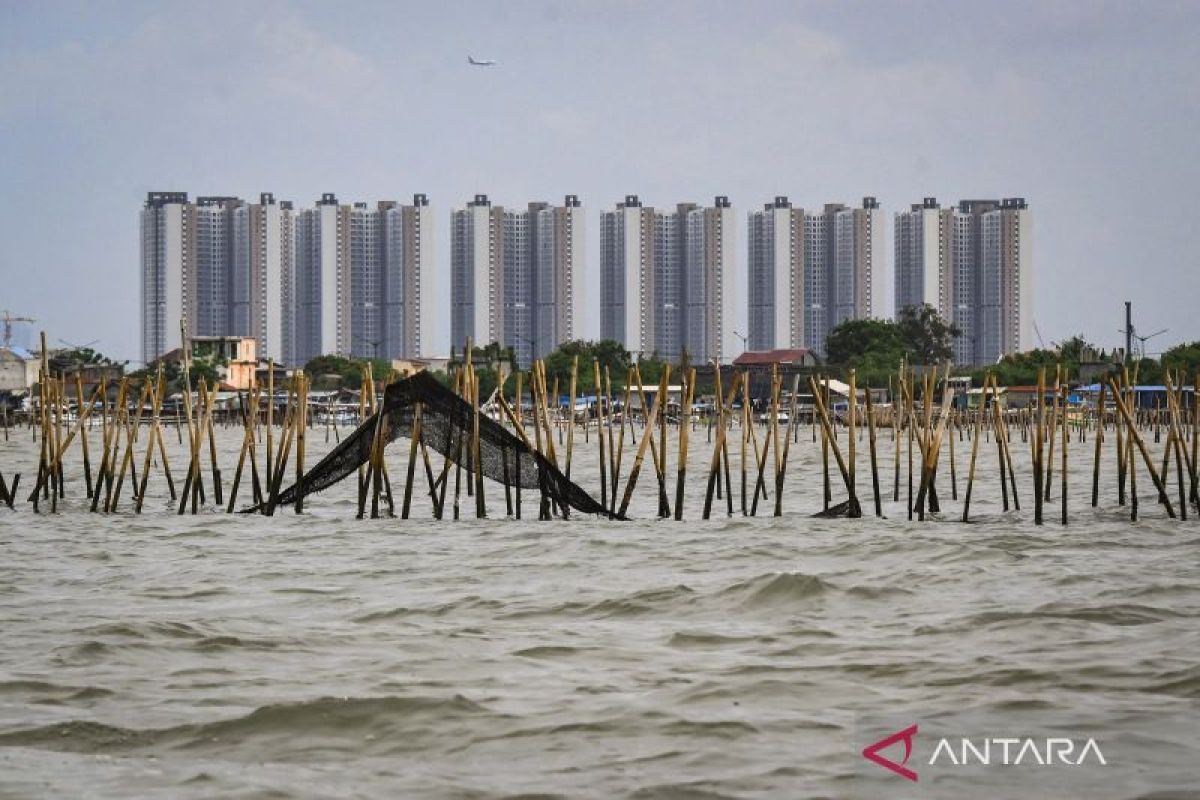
781	356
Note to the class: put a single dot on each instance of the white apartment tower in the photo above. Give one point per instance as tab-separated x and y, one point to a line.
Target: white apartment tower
669	281
808	272
263	264
322	282
517	277
775	251
165	246
409	315
971	262
358	281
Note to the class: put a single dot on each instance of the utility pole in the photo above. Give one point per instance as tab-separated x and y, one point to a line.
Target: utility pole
1128	331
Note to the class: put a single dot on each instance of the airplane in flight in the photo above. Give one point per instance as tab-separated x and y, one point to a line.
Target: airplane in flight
483	62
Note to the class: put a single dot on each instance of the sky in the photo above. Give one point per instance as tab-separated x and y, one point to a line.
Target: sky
1090	111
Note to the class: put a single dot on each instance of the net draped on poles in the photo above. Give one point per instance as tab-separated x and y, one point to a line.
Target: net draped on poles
446	425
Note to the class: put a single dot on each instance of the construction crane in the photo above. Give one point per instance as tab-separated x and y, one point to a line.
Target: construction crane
9	319
1041	342
1143	339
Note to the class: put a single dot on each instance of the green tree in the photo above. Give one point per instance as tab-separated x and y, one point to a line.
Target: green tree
200	369
75	357
651	368
330	371
928	338
853	339
1021	369
611	355
1185	357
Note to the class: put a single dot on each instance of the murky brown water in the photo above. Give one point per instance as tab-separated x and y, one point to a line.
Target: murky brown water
320	656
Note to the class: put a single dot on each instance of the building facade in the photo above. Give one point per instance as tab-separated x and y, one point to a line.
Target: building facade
517	277
669	281
973	263
810	271
332	279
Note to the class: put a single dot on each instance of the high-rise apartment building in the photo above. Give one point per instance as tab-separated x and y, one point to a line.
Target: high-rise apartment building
166	238
775	259
971	262
333	279
322	282
260	288
216	263
359	288
669	281
517	276
808	272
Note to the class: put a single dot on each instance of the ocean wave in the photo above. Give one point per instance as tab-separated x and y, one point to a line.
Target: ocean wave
326	723
776	589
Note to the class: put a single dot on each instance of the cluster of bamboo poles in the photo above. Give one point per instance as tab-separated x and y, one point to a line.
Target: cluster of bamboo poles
748	462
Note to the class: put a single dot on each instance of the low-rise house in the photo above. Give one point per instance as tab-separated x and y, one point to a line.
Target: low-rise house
18	369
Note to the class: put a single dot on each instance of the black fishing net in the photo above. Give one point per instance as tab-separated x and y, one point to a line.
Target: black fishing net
446	425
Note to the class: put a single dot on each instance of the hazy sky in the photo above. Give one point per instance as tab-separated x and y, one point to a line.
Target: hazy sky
1089	110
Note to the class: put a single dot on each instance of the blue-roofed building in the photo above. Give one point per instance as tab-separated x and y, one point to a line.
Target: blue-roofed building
1144	395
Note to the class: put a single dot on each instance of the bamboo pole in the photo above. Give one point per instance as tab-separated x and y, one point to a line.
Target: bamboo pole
1100	410
413	447
1053	430
983	402
714	467
852	431
476	450
247	445
684	420
1063	469
770	436
641	452
745	432
660	468
571	411
83	439
267	462
302	410
600	432
1141	446
787	442
897	421
954	423
625	417
874	463
853	509
827	433
1038	452
604	410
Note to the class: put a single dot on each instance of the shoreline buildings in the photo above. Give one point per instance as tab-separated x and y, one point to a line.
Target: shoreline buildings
973	263
333	279
517	276
669	281
359	280
809	271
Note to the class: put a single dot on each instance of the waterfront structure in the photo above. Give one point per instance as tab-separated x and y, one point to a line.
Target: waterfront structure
973	263
516	277
332	279
810	271
669	280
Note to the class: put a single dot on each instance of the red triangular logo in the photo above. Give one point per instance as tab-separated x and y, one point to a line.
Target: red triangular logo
871	753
